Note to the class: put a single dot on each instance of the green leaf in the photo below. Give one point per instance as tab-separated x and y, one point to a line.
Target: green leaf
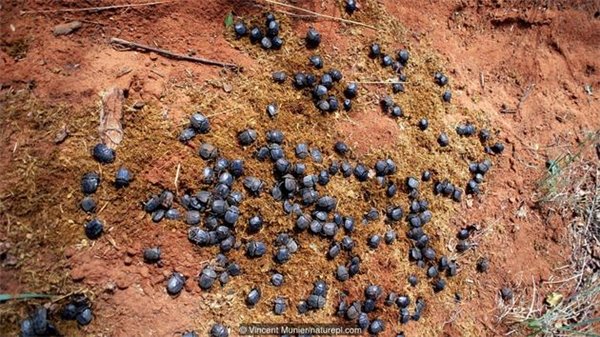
23	296
229	20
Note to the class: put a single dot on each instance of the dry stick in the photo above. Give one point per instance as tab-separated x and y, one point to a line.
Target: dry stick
96	9
172	55
379	82
319	14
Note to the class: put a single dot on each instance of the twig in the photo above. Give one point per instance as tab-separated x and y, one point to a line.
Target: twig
482	80
172	55
526	94
95	9
379	82
320	15
177	178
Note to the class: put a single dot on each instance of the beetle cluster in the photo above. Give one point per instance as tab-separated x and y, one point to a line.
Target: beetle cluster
90	182
268	38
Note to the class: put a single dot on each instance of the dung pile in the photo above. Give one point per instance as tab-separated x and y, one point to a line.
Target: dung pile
305	225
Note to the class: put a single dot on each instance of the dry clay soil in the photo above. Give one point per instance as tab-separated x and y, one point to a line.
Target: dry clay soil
493	51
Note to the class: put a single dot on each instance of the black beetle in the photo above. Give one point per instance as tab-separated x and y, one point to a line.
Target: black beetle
207	278
279	306
277	279
376	327
88	205
347	104
200	123
483	264
386	60
315	302
423	124
279	76
443	139
275	136
361	172
272	110
152	255
506	293
90	182
316	61
208	151
103	154
272	28
351	6
351	90
255	35
403	56
375	50
175	283
447	96
93	229
247	137
336	75
240	29
313	38
123	177
253	297
256	249
187	134
219	330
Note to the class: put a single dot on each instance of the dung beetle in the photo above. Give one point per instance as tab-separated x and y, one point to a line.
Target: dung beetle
374	241
315	302
376	327
387	61
423	124
200	123
351	90
253	184
279	306
443	139
439	285
413	280
299	80
277	42
190	334
497	148
152	255
103	154
208	151
175	284
255	223
256	249
277	279
219	330
275	136
302	307
313	38
396	111
85	316
483	264
361	172
447	96
187	134
88	205
335	74
351	6
93	229
255	35
342	273
207	278
374	50
247	137
90	182
363	320
123	177
403	56
253	297
323	105
279	76
389	237
272	28
240	29
282	255
397	87
326	81
484	135
440	79
272	110
506	293
316	61
347	104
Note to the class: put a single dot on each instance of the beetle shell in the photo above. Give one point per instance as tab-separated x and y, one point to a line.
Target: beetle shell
103	154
